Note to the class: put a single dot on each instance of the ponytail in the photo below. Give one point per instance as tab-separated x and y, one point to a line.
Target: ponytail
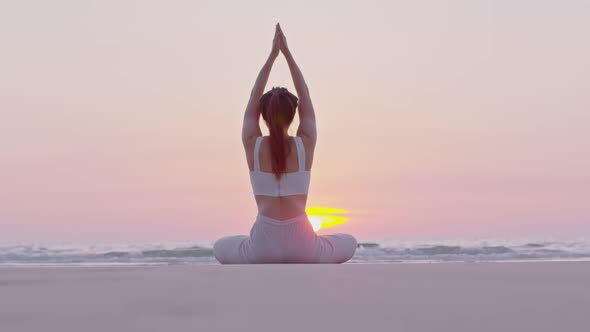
278	110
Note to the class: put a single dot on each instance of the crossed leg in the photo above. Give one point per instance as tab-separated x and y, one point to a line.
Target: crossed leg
335	248
233	249
330	249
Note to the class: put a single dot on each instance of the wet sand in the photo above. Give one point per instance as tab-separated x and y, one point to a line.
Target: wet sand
550	296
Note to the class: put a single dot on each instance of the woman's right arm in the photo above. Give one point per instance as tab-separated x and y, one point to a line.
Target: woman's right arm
307	125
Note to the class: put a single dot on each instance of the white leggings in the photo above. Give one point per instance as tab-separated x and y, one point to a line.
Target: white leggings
284	241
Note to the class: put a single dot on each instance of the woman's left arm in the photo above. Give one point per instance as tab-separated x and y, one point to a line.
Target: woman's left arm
251	126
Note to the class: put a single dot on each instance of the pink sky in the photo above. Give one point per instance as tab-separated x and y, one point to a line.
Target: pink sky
121	120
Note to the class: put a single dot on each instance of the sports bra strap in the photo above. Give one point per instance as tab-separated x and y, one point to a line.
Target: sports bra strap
300	153
257	154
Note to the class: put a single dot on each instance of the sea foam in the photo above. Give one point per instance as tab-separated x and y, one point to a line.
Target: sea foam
381	251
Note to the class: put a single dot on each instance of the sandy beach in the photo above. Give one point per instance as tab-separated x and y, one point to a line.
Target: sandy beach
548	296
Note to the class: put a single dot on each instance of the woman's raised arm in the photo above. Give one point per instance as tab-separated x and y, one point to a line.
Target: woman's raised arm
307	125
251	126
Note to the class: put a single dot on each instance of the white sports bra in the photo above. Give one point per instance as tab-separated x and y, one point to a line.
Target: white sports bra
292	183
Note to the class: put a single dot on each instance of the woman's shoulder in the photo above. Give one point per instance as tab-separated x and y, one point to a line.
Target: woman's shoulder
250	142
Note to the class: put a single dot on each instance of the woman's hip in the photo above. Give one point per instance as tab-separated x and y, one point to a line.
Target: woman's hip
268	233
301	218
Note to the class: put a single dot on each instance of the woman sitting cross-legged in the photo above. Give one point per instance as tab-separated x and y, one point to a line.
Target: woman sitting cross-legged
280	174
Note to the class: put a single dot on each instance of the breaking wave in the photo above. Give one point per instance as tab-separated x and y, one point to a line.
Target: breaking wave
489	250
472	251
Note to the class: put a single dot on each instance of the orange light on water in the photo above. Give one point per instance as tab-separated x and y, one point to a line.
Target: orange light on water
324	217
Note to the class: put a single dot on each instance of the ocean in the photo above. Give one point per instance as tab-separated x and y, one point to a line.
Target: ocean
379	251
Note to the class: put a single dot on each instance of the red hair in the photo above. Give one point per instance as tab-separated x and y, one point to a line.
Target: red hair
278	110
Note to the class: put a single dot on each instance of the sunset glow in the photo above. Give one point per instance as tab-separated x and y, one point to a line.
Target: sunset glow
121	119
324	217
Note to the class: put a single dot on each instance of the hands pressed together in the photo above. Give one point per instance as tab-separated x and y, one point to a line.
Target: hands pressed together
279	43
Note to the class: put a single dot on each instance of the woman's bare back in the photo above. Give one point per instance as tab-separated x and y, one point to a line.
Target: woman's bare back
283	207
